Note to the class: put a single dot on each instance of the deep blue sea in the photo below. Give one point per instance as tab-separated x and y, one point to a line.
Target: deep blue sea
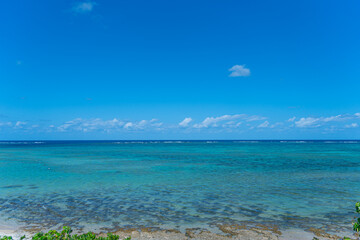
177	184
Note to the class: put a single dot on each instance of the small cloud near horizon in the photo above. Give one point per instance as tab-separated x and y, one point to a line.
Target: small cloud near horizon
291	119
83	7
185	122
239	71
235	123
264	124
352	125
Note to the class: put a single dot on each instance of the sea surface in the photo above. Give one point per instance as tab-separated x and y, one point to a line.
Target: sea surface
96	185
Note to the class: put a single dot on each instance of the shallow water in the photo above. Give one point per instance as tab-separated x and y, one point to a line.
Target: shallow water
174	184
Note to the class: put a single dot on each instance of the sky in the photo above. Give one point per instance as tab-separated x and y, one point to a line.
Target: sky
78	70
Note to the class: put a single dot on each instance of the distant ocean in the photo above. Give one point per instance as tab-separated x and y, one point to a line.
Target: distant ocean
98	185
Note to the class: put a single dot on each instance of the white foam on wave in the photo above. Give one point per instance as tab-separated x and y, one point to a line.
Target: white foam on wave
148	142
350	141
10	228
19	143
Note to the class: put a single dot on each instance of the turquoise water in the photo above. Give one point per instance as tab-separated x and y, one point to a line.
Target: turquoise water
172	184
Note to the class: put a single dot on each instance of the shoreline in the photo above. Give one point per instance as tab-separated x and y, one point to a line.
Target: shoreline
226	231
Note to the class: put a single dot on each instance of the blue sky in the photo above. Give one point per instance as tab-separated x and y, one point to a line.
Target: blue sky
180	69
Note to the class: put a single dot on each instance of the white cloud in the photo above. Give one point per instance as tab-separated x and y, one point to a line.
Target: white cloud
264	125
225	123
254	118
231	124
144	124
185	122
213	121
87	125
291	119
83	7
97	124
352	125
338	118
219	121
128	125
6	124
20	124
308	122
317	122
239	71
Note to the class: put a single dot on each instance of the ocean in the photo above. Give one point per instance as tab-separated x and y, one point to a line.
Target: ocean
97	185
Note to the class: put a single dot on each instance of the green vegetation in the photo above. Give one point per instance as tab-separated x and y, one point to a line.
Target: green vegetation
356	224
65	234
